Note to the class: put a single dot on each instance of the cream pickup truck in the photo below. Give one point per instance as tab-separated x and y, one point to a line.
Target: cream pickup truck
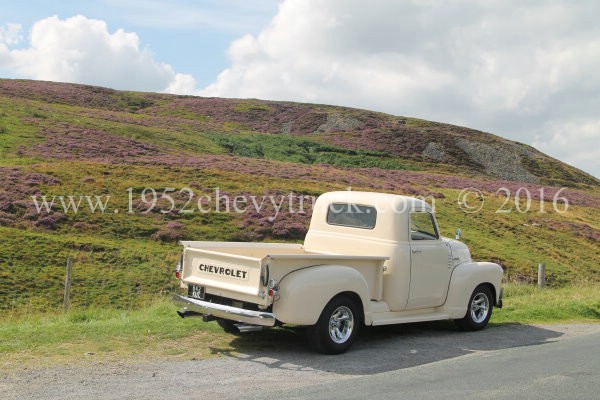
367	259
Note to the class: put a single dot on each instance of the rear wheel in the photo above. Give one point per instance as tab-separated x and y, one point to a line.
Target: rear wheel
479	310
228	326
337	326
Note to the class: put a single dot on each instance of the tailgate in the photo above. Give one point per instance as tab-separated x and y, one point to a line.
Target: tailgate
224	271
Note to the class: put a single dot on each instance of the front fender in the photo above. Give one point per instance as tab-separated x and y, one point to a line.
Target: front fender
303	294
465	278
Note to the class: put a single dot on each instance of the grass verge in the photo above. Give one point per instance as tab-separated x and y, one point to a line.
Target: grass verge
529	304
157	332
107	334
98	335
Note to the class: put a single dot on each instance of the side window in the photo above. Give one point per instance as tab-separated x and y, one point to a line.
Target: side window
422	226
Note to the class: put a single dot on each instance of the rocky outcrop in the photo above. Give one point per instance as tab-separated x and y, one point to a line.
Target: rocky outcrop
498	159
339	123
434	151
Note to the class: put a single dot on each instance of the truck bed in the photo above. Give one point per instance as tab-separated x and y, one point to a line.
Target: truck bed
242	270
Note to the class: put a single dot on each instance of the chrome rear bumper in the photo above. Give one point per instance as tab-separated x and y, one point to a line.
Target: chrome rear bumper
191	306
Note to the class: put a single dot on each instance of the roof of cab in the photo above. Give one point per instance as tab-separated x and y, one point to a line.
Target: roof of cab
381	201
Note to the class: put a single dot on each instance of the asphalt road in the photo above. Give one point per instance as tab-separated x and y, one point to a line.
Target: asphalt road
417	361
566	369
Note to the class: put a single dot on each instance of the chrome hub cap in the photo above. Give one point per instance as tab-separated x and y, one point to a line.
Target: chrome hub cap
480	307
341	324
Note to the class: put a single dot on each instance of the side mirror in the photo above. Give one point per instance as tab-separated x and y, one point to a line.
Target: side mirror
458	234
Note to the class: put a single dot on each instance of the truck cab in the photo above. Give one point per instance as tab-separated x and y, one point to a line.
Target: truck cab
367	259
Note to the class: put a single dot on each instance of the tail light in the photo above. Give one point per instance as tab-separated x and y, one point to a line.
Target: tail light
273	289
179	268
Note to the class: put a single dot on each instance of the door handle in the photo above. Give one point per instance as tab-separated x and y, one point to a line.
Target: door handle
416	251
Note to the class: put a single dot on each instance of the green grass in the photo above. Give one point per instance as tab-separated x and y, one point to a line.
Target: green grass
107	333
16	130
155	331
152	332
530	304
181	133
304	151
114	273
132	101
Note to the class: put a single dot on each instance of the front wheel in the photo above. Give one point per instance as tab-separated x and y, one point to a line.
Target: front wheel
479	310
337	326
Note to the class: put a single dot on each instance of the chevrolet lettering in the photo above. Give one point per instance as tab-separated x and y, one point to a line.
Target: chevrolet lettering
225	271
367	259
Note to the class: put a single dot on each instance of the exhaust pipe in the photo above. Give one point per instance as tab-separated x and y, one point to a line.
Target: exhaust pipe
183	313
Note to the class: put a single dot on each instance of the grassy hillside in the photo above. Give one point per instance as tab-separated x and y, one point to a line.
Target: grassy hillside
63	139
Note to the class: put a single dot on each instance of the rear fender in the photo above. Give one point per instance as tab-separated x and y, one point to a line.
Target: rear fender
304	293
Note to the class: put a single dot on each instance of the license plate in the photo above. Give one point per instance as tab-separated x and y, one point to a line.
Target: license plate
196	292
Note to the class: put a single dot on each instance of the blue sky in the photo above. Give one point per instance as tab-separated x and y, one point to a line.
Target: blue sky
192	36
522	69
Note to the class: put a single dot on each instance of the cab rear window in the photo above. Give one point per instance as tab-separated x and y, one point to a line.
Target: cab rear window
352	215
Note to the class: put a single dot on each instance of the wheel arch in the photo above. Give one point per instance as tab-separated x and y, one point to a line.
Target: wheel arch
465	278
357	300
305	293
492	288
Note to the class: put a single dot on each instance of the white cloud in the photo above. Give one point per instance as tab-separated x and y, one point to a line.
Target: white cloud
10	34
182	84
82	50
511	67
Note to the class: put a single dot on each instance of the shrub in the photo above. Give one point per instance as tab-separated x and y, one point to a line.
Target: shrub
171	232
50	221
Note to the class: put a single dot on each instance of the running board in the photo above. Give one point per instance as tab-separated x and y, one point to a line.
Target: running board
390	318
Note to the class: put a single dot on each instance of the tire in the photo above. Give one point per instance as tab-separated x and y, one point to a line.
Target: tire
228	326
337	326
479	310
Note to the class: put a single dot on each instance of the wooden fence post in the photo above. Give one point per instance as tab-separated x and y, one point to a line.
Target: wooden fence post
542	275
67	297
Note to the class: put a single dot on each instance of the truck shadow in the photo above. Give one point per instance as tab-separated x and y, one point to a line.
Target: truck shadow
382	349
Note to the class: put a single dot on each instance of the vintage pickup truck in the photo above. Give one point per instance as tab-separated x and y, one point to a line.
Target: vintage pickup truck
367	259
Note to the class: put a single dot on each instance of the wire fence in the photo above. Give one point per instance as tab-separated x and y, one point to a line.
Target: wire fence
94	282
